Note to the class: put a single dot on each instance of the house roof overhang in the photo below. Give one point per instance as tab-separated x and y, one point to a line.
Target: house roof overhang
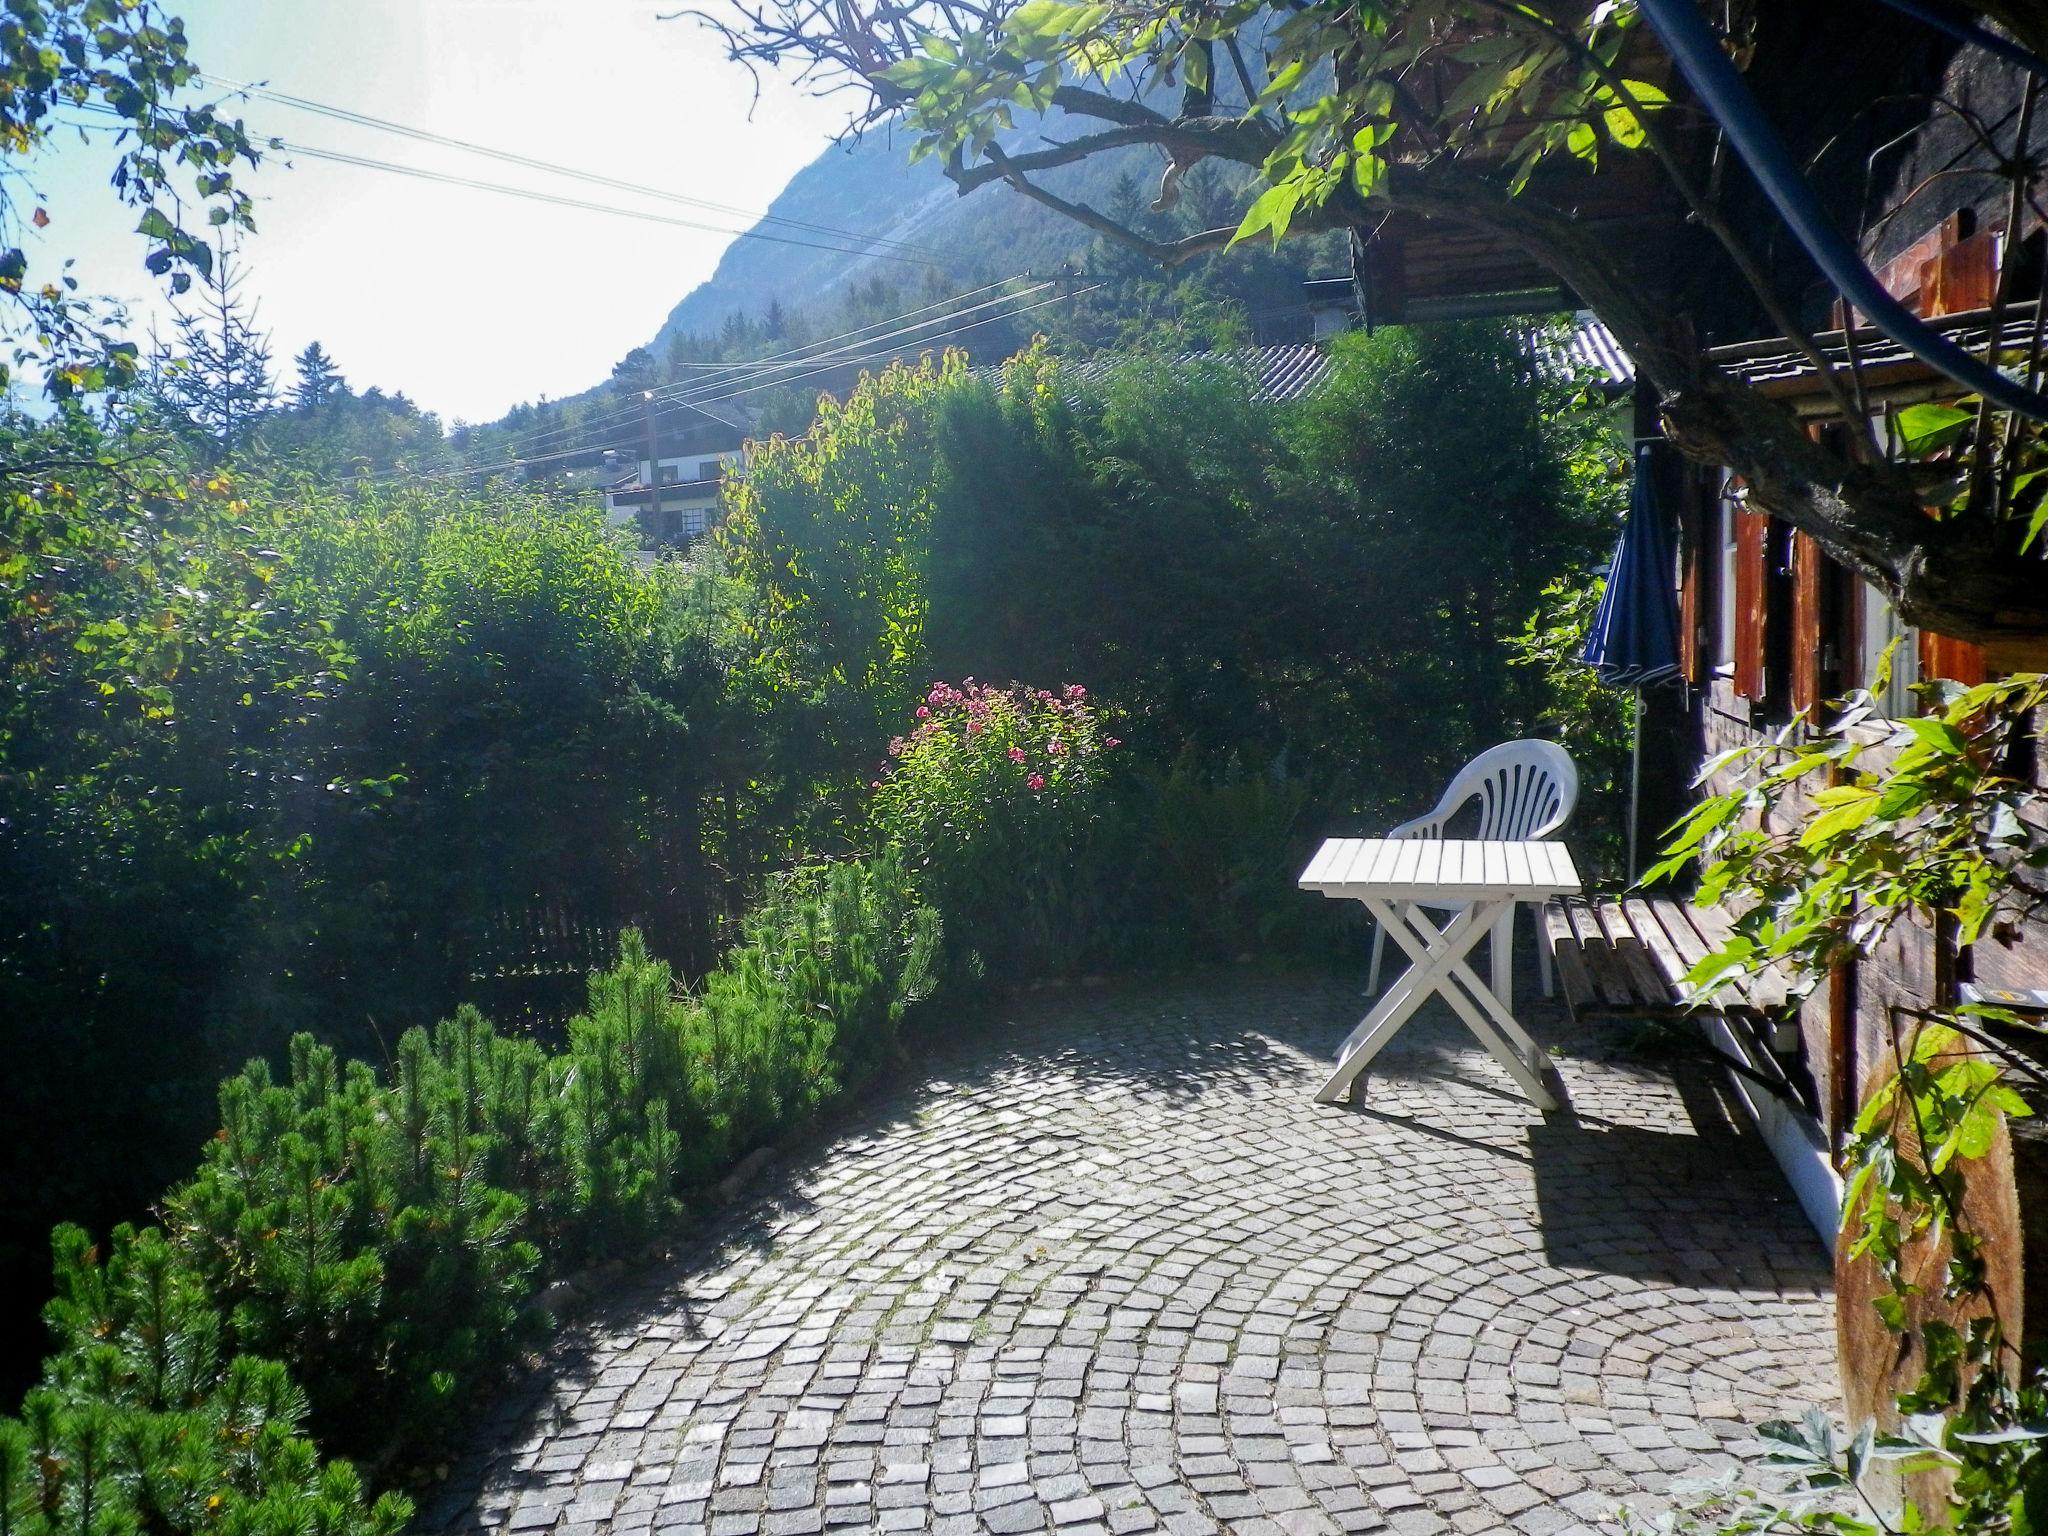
1887	372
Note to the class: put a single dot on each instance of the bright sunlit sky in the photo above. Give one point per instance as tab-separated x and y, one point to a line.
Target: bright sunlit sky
468	301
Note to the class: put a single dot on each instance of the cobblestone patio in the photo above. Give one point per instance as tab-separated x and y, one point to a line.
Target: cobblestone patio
1110	1268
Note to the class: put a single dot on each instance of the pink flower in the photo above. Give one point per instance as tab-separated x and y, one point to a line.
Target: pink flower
1036	782
923	713
896	746
1056	747
1016	754
974	727
877	784
1111	741
1076	692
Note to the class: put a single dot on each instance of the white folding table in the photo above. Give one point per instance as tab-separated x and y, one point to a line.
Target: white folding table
1391	875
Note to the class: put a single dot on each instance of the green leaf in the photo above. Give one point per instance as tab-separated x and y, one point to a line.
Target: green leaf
1843	818
1928	428
1273	209
1936	734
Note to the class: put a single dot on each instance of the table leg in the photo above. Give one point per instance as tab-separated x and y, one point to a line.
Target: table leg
1494	1027
1431	958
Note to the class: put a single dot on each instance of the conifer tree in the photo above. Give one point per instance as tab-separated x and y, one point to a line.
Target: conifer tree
217	375
319	379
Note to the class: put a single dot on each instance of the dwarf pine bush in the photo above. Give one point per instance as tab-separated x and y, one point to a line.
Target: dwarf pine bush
357	1250
143	1424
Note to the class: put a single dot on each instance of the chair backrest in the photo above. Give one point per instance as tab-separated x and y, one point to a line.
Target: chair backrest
1525	789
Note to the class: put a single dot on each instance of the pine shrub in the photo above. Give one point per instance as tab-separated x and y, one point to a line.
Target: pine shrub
357	1251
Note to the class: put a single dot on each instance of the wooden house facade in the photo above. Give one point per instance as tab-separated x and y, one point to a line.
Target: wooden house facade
1773	628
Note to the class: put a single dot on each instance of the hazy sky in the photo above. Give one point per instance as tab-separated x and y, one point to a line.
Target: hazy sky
468	301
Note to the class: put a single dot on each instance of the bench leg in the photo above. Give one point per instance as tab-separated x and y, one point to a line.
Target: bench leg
1544	969
1379	943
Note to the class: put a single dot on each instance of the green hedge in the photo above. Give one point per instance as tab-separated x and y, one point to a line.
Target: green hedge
356	1253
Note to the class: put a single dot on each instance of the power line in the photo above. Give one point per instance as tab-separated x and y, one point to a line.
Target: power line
589	446
511	157
825	364
785	359
557	199
695	393
1058	298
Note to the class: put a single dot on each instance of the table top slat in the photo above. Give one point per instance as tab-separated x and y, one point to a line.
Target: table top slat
1448	869
1335	851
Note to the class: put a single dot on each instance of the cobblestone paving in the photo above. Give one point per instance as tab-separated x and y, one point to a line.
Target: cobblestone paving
1111	1269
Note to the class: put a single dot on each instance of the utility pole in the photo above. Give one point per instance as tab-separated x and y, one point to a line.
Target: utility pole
654	523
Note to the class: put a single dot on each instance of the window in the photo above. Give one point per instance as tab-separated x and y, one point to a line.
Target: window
694	522
710	469
668	474
1725	506
1880	627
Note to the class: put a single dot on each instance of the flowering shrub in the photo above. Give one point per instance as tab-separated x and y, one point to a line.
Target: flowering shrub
993	796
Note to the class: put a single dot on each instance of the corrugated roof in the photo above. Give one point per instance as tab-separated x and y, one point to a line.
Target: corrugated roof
1278	373
1290	372
1587	348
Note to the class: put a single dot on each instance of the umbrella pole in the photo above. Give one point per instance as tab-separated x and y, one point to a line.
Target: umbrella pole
1635	781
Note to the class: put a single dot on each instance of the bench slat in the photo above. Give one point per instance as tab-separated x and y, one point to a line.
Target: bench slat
1649	987
1671	960
1604	961
1563	940
1767	993
1627	956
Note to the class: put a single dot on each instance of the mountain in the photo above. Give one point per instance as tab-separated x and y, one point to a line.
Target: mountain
869	188
863	239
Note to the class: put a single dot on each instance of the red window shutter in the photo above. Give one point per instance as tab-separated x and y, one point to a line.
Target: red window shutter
1957	660
1809	567
1964	277
1692	577
1751	537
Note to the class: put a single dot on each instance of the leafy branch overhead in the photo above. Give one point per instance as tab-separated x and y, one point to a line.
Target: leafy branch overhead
83	66
1497	119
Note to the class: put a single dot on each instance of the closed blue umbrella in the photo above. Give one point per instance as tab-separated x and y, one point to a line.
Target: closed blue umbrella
1634	640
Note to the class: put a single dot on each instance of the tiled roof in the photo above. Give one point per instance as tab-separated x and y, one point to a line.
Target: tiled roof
1777	367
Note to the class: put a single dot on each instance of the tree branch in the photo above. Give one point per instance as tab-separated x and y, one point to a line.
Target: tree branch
1166	253
1949	574
1226	138
1703	210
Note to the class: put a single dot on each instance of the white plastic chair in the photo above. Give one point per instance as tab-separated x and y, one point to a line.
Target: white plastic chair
1526	790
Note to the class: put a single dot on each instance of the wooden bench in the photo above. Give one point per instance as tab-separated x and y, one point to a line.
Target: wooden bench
1627	957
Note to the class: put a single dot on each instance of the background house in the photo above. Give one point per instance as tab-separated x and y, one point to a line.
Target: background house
687	452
